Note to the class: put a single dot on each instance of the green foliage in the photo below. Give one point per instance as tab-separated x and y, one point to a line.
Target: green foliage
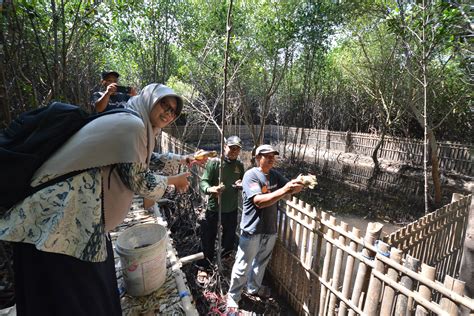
340	65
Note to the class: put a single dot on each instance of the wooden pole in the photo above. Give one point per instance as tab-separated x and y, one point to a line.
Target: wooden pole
425	291
327	262
401	307
363	272
374	290
388	299
337	269
458	287
346	284
224	109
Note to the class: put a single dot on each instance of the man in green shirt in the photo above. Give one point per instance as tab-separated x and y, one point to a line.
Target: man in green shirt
228	190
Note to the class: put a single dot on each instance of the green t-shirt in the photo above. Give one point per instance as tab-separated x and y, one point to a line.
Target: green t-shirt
233	170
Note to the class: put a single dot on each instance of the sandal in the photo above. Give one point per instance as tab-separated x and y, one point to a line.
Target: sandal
263	292
202	278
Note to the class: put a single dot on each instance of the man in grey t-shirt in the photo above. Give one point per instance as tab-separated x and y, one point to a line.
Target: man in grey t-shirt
262	188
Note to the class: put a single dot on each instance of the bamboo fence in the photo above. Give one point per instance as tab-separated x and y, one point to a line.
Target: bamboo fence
436	238
323	267
454	157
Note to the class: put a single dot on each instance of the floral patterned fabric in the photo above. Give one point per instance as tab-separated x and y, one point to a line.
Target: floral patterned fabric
67	217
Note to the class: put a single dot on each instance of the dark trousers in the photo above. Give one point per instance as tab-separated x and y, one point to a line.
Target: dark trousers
209	233
59	285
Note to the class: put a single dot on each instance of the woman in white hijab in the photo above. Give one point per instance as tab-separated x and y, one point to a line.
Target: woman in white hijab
63	258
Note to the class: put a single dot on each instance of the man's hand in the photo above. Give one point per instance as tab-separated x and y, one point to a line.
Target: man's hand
111	89
294	186
133	92
237	184
216	189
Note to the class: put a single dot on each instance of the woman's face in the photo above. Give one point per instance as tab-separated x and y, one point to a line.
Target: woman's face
163	112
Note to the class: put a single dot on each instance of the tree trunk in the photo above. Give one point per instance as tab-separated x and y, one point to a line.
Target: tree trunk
376	170
4	104
435	168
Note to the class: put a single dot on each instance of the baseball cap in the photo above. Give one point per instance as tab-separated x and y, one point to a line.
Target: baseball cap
265	149
110	72
233	141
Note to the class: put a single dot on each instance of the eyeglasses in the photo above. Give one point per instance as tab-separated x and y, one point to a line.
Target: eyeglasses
167	108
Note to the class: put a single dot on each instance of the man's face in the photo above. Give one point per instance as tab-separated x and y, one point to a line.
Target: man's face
109	80
232	152
267	161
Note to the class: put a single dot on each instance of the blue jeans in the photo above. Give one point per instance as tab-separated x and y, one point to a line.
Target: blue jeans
252	257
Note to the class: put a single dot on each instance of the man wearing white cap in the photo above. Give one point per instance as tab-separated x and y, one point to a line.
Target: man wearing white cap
262	188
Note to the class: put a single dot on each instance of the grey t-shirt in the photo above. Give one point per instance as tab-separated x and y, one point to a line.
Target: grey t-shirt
255	220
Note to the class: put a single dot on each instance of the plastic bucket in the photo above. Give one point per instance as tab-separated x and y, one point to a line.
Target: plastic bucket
142	251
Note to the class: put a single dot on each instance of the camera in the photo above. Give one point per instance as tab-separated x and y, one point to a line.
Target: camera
123	89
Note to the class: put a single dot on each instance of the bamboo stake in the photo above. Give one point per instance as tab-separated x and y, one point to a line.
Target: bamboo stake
298	229
327	262
402	300
337	269
458	287
316	263
346	284
372	234
375	285
425	291
304	254
388	299
311	258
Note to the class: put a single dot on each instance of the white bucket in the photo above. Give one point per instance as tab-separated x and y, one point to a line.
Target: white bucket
142	251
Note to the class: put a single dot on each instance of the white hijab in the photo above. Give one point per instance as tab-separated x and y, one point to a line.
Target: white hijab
143	104
110	139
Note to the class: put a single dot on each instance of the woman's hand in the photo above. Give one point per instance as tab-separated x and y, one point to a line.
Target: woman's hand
180	181
200	158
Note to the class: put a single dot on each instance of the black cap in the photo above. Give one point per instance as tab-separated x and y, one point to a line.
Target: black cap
107	73
233	141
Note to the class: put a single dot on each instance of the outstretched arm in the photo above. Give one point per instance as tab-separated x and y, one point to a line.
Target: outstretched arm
264	200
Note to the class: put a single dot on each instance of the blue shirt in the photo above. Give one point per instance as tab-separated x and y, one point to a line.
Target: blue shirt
260	220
